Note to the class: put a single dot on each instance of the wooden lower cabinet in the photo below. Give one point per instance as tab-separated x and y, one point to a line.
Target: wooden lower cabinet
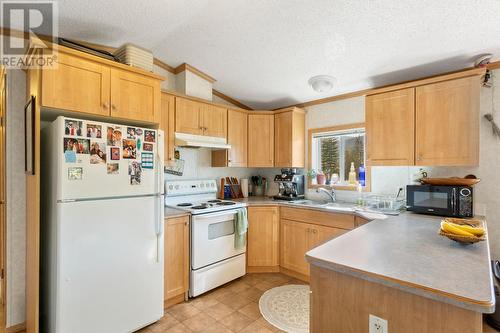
343	303
176	262
263	239
297	238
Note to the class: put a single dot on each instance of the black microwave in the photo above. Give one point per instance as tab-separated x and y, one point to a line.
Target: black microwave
454	201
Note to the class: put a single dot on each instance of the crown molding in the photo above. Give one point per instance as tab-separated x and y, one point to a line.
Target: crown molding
187	67
230	100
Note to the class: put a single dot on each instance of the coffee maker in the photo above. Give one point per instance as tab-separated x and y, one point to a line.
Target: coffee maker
291	185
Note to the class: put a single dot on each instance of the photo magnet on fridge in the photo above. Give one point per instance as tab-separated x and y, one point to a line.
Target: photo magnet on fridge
115	153
70	156
94	131
75	173
135	172
73	127
79	146
147	147
113	168
129	149
149	136
114	136
131	133
97	152
147	160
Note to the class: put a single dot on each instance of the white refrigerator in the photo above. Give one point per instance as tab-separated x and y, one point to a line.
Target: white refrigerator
102	227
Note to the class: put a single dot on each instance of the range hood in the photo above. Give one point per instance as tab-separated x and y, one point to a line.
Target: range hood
200	141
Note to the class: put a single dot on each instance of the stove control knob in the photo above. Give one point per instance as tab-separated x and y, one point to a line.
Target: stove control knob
176	187
202	185
170	187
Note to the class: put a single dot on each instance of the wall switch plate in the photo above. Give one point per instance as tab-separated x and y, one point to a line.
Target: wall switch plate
377	325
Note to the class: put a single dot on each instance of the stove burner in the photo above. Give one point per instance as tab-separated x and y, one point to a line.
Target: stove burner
214	201
226	203
185	204
200	207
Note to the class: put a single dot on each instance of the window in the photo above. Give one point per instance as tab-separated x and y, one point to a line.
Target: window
333	151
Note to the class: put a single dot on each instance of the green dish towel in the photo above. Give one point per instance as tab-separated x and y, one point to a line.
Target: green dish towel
240	228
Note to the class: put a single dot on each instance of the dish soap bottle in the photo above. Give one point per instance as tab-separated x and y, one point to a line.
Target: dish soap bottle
362	175
352	175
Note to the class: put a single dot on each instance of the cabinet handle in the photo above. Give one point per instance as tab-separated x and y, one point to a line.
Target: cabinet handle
105	105
113	106
315	231
419	157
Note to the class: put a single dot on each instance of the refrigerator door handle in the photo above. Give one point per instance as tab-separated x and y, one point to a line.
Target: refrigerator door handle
159	221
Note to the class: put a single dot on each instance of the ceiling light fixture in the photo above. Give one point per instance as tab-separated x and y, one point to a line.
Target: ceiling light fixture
322	83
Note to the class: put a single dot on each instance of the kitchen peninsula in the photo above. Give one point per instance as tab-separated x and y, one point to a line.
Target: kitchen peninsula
400	270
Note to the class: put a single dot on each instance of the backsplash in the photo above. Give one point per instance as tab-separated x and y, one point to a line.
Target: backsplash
198	165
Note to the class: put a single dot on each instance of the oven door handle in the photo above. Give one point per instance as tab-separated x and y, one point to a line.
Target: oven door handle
453	201
210	215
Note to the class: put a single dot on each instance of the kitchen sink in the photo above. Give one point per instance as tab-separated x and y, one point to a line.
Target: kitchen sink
308	203
340	206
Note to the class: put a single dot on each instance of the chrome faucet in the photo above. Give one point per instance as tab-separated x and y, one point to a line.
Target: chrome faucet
330	193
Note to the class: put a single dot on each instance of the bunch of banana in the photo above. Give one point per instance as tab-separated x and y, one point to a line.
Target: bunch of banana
462	229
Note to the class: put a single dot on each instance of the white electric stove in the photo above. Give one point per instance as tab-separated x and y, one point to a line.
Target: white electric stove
214	258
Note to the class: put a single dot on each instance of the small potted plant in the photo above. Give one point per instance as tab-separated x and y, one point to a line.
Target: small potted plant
320	178
311	174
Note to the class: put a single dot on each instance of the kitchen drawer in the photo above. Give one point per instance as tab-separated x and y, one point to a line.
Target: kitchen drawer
328	219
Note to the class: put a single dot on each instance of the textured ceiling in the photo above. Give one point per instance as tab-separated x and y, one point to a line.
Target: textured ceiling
262	52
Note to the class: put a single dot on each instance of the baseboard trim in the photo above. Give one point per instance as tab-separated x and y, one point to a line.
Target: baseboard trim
293	274
173	301
263	269
16	328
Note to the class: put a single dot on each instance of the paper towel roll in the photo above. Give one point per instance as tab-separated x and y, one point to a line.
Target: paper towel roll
244	187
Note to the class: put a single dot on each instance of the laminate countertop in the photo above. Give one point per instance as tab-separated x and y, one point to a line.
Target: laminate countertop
172	212
406	252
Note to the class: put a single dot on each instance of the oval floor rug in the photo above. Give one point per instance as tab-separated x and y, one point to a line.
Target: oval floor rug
287	308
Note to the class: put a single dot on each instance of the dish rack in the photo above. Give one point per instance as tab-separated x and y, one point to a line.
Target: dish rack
388	204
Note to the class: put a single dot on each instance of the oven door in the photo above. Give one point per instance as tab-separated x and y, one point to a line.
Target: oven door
212	238
428	199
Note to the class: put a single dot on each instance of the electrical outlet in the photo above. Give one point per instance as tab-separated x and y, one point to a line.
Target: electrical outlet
377	325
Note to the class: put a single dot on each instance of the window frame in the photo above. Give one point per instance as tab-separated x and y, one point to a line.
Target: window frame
312	131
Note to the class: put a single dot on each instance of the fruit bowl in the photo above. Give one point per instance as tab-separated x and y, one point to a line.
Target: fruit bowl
465	238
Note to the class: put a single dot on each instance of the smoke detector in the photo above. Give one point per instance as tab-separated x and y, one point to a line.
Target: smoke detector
322	83
483	60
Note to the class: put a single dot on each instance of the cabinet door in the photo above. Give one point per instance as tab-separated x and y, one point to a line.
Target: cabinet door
390	127
77	85
447	122
188	116
261	140
214	121
176	263
135	96
167	124
263	237
283	139
237	137
294	245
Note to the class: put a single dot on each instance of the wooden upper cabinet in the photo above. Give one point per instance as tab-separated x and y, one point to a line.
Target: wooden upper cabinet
289	139
88	84
447	122
176	265
263	237
261	140
188	116
77	85
389	123
198	118
167	124
214	121
237	137
134	96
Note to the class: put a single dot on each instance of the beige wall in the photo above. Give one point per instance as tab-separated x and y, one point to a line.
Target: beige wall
389	179
16	199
